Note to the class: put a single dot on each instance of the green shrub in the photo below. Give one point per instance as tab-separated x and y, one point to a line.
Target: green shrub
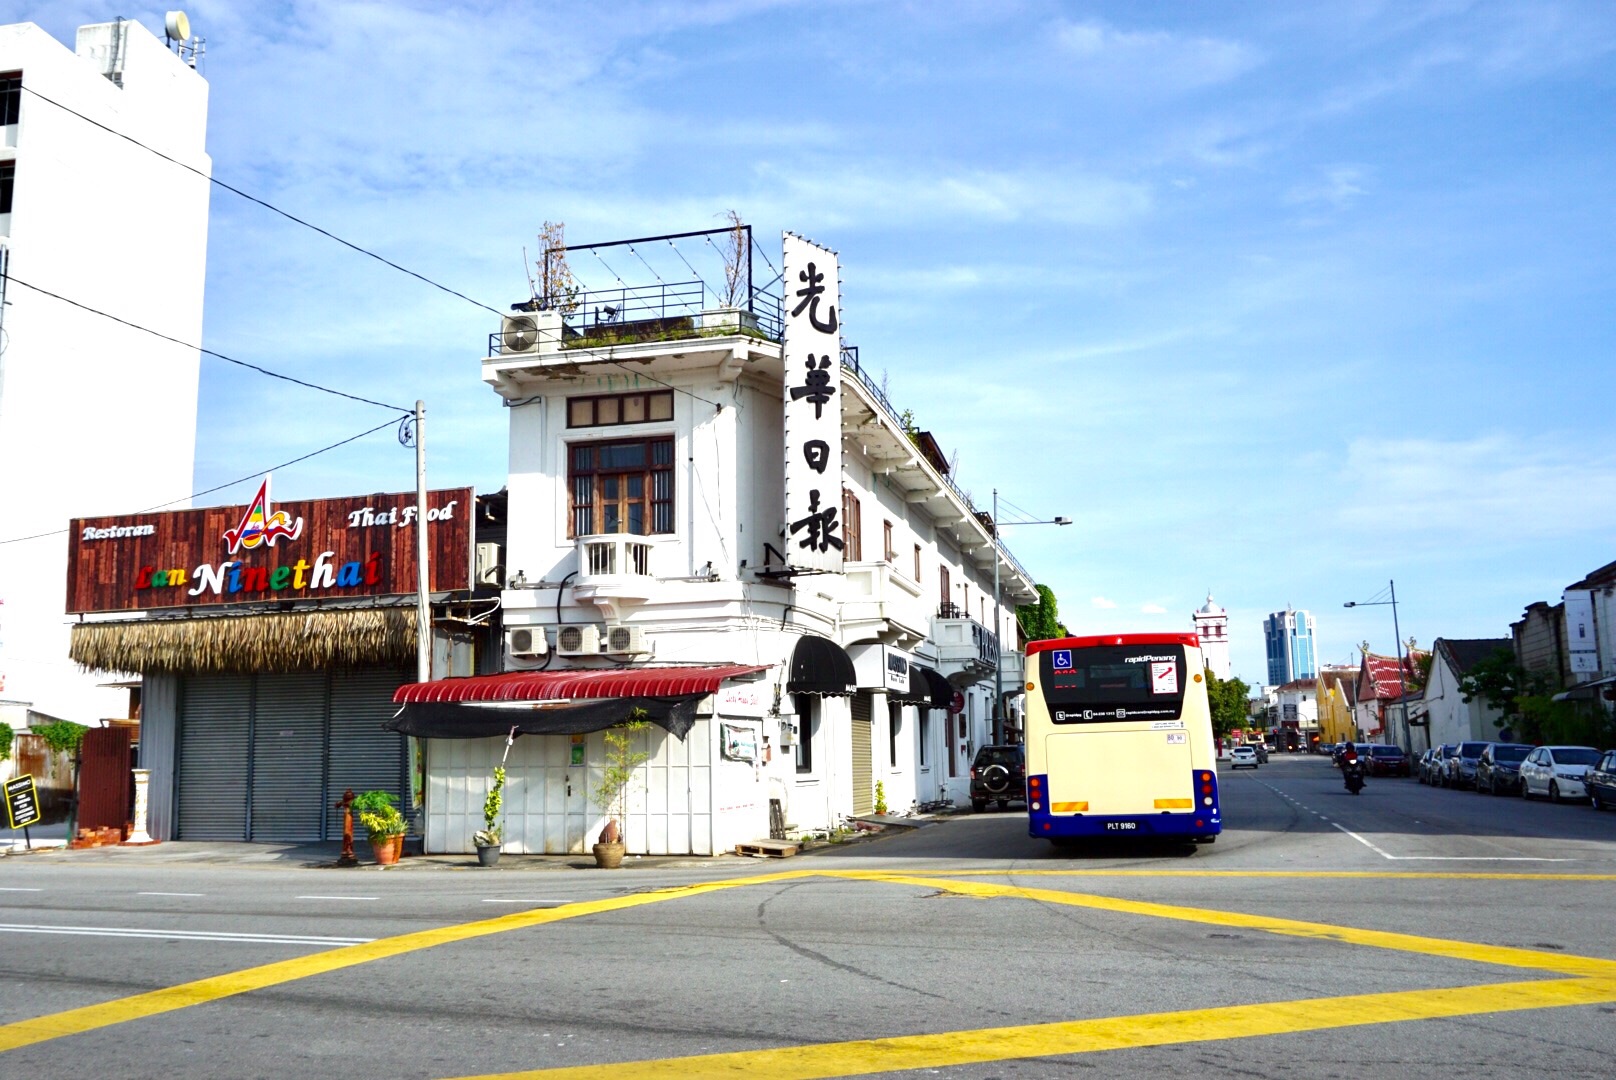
63	736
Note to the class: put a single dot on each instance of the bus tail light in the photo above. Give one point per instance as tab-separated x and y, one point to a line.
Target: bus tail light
1035	793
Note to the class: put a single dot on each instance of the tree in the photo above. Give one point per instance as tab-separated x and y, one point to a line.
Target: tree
1039	622
1497	680
1227	699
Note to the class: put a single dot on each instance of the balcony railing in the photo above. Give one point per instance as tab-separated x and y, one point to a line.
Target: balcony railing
614	555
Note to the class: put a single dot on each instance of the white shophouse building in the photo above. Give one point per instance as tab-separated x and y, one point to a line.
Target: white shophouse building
671	471
95	416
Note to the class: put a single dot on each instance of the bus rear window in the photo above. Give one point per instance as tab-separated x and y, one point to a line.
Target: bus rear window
1108	683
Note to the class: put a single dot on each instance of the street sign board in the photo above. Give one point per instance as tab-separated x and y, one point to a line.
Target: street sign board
22	801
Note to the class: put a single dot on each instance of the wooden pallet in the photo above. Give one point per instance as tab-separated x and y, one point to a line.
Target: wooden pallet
767	849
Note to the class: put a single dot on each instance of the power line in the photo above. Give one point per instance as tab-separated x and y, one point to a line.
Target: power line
267	206
228	359
250	476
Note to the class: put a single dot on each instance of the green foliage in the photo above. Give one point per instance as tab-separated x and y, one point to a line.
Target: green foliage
1041	621
1541	719
1497	680
621	760
6	736
378	813
488	836
1227	700
63	736
880	798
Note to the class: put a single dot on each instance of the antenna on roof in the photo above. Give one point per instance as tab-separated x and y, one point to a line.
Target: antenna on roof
177	34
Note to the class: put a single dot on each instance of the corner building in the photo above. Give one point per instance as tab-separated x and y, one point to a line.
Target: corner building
715	514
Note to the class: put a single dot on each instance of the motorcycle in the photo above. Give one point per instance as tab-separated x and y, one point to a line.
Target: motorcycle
1352	774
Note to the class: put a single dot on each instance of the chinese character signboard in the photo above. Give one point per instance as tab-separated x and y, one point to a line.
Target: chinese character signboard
813	407
267	552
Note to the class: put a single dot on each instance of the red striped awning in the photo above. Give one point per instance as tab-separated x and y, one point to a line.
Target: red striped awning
576	684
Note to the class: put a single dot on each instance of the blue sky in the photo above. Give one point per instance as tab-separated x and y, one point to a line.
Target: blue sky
1281	300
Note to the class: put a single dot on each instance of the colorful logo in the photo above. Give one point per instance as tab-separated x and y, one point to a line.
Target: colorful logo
262	524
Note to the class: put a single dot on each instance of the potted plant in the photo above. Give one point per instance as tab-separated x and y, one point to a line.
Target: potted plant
611	793
487	839
378	812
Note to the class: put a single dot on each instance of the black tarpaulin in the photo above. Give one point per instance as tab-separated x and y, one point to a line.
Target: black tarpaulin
463	720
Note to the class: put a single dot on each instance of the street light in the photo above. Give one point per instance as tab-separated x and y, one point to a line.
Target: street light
998	619
1402	678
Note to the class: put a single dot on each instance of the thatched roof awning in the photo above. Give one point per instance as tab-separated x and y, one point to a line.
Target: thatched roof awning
272	642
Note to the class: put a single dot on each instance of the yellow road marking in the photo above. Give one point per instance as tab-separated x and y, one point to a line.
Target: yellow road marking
1504	955
1413	875
90	1017
1092	1036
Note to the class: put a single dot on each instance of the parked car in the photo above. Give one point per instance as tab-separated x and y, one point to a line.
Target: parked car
999	774
1601	781
1242	757
1387	761
1498	770
1461	765
1557	771
1436	763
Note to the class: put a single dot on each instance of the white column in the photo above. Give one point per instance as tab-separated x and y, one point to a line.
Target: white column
142	780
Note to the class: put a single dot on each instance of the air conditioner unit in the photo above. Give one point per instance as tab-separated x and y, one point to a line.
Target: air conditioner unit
489	571
625	639
519	333
526	642
577	640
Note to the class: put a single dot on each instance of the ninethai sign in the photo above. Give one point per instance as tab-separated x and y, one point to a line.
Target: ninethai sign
264	552
813	407
22	801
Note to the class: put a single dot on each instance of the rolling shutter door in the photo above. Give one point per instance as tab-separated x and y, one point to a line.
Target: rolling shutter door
214	725
288	757
863	789
363	756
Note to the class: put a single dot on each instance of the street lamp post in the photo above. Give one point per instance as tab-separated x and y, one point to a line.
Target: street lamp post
1402	675
998	619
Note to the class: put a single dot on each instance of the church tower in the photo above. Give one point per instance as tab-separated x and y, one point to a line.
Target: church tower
1212	627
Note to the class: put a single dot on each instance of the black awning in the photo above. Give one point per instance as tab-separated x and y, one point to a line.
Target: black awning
941	691
820	666
473	720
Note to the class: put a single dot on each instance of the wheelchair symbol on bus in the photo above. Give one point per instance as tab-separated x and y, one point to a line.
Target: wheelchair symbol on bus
1061	659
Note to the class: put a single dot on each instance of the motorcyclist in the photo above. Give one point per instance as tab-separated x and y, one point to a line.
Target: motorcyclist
1352	770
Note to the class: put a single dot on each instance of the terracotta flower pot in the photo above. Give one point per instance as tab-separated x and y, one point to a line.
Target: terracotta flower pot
609	856
398	847
386	853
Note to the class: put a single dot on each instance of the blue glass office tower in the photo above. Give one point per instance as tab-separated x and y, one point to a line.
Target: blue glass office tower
1291	654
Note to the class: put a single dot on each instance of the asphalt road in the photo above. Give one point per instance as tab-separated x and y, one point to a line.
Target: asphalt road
1324	935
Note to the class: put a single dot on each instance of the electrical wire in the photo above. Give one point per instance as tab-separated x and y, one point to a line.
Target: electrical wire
266	205
210	352
609	270
209	491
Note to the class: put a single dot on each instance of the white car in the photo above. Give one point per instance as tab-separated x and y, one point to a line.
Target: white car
1241	756
1557	771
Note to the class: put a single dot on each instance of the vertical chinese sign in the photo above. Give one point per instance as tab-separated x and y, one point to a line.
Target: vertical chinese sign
813	408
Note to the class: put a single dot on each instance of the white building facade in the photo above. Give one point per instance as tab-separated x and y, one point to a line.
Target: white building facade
672	488
95	416
1212	627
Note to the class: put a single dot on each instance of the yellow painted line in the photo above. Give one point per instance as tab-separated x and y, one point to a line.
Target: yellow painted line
1504	955
91	1017
907	1052
1413	875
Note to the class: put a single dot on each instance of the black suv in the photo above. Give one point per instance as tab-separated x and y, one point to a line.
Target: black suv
998	774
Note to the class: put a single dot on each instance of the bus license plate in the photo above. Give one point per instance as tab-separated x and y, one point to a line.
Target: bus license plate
1114	826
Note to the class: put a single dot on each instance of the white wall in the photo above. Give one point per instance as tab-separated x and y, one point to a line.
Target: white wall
95	417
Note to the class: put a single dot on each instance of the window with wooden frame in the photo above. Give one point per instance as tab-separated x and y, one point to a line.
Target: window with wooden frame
943	593
606	410
622	486
852	527
886	539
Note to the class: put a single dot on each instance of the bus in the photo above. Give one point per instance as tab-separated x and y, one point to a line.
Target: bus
1119	739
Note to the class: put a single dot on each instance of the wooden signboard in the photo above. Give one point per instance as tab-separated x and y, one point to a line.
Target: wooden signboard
22	802
267	552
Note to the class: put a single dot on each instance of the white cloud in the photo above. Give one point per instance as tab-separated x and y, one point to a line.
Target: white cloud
1102	602
1151	61
1153	609
1336	188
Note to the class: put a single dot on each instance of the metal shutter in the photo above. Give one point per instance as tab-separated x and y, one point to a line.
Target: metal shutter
863	789
288	757
363	757
214	724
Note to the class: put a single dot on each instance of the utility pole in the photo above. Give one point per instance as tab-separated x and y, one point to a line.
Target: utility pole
423	601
